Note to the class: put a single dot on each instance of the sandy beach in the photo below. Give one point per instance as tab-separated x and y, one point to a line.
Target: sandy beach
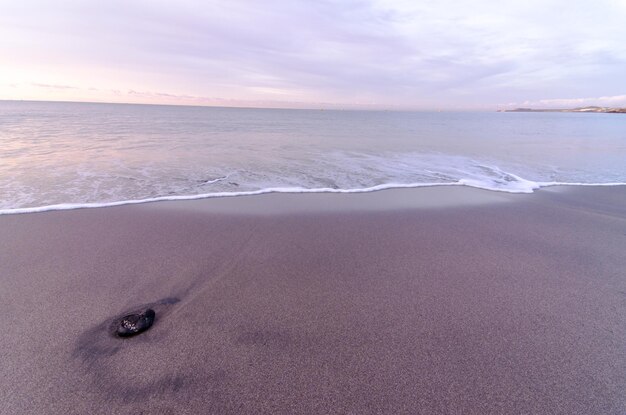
418	301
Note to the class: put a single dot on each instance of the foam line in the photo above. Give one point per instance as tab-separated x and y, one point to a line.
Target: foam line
523	186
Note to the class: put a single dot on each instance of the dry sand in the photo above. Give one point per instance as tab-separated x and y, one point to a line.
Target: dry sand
481	308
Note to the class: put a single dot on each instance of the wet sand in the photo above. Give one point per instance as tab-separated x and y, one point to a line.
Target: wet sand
434	301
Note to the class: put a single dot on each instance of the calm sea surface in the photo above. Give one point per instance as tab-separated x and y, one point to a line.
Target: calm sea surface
71	153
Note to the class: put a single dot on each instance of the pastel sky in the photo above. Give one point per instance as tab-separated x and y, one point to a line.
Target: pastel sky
404	54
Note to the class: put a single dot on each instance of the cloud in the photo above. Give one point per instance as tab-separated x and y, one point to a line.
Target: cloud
402	52
606	101
40	85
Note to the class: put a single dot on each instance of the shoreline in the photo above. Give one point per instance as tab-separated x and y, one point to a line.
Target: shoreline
431	300
292	191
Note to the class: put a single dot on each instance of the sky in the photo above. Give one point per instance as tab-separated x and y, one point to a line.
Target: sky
394	54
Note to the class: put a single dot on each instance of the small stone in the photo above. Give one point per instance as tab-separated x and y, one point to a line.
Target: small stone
135	323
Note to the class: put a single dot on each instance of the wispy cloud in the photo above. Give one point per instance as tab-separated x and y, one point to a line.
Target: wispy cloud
40	85
352	52
606	101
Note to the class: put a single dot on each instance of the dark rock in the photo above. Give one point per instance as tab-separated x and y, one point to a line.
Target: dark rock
135	323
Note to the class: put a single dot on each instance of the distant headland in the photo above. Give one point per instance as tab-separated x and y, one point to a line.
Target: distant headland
609	110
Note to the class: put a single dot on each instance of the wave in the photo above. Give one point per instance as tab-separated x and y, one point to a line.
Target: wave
518	185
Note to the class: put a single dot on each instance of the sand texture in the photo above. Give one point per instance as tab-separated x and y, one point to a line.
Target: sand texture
516	307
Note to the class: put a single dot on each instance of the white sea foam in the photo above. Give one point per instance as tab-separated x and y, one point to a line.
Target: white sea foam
524	186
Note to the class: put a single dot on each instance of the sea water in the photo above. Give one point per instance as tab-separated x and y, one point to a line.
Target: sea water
68	155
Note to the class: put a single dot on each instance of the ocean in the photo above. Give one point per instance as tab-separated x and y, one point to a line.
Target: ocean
70	155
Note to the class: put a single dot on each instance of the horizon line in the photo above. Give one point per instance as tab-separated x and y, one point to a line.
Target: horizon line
331	107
